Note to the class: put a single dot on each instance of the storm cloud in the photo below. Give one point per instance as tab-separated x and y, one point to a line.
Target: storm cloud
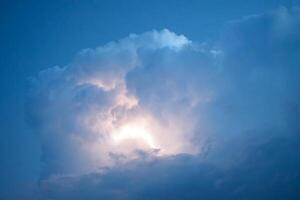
219	120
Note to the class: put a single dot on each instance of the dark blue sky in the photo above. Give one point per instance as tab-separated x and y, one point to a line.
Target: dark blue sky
36	35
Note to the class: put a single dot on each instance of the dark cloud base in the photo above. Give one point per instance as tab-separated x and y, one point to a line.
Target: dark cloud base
269	171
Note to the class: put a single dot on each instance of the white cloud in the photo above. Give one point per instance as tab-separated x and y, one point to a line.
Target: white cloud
137	84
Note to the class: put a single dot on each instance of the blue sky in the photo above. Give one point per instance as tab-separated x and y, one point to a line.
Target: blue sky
238	64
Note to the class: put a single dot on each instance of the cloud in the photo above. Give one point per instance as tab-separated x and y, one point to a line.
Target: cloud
113	101
191	120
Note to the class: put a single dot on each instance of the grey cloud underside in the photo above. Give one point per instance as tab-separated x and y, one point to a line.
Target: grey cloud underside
241	97
259	175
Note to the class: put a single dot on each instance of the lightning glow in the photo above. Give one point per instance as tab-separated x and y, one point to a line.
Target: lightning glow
134	132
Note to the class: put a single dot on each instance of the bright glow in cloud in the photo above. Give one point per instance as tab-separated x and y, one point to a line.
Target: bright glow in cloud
134	132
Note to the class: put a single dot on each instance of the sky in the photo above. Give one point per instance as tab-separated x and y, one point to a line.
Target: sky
149	99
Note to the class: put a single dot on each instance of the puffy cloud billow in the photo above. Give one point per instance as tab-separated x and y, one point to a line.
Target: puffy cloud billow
158	116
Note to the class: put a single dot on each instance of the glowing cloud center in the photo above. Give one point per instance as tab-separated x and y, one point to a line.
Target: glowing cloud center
134	132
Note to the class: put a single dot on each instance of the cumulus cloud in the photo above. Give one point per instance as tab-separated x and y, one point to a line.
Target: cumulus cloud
139	93
159	116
